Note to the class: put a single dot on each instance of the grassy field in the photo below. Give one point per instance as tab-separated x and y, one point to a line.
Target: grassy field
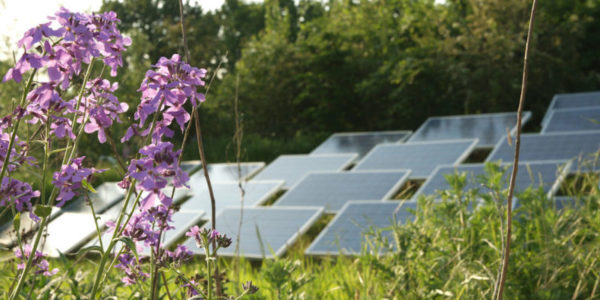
448	252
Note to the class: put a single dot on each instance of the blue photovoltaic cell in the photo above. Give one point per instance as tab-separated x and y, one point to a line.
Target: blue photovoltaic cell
578	119
580	146
359	142
487	128
574	100
347	232
534	174
419	157
292	168
229	194
227	172
333	189
265	230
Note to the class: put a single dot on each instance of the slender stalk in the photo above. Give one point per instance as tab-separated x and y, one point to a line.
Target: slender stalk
162	274
500	284
204	166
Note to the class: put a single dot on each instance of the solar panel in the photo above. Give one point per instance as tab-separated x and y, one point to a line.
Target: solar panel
69	231
573	100
228	172
488	128
420	157
229	194
264	229
577	119
8	236
580	145
292	168
333	189
191	166
346	233
549	174
358	142
107	194
562	202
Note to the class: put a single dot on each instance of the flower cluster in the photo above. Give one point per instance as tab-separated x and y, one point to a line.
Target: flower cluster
205	236
132	269
61	47
38	261
165	90
102	107
69	179
78	38
19	193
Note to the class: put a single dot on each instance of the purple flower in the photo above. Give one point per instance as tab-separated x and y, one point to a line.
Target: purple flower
69	179
132	269
61	128
171	83
42	266
34	35
19	193
102	106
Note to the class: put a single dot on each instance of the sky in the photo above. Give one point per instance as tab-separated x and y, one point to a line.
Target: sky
17	16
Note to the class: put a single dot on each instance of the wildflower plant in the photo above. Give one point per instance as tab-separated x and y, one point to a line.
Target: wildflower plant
54	55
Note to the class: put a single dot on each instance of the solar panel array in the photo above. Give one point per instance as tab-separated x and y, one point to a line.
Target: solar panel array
573	100
347	232
319	182
419	157
547	174
358	142
229	194
487	128
578	119
266	232
334	189
292	168
552	146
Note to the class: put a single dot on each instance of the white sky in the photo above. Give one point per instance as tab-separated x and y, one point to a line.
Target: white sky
16	16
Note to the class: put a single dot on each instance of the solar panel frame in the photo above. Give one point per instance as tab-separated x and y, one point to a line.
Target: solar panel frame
553	189
559	115
523	158
412	175
573	98
387	196
277	186
350	157
342	214
413	138
318	212
322	148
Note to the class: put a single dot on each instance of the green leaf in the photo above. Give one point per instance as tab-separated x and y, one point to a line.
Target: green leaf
43	211
129	243
94	248
17	222
88	186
